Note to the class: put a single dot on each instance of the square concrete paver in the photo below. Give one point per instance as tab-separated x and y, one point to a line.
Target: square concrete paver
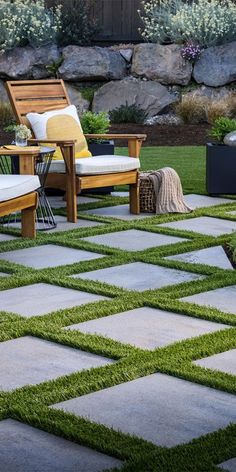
229	465
148	328
62	224
59	202
133	240
29	361
204	225
40	299
120	211
200	201
48	255
212	256
224	361
139	276
120	194
159	408
223	299
27	449
6	237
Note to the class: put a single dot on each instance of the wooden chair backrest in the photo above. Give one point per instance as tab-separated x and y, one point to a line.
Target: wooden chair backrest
36	96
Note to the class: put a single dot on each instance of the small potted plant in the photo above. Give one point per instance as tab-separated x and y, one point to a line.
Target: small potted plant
22	134
97	123
221	159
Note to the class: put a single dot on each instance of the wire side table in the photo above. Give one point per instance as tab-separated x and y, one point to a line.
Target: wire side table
44	216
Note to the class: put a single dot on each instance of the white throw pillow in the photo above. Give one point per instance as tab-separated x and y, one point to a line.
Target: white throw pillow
38	121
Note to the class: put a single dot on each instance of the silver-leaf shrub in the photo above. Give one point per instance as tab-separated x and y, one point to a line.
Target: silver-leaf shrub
204	22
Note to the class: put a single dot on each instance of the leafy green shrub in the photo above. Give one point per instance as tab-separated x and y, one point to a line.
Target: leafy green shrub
221	127
95	123
192	109
204	22
128	114
77	26
25	22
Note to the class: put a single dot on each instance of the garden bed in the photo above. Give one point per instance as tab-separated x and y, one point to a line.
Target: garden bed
166	135
157	135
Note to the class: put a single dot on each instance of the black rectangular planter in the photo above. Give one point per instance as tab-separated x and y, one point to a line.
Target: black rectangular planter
220	169
100	149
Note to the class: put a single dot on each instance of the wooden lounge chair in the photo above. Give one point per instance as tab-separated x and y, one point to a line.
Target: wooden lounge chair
45	95
18	192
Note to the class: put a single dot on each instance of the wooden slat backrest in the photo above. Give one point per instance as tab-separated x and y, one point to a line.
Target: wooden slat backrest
36	96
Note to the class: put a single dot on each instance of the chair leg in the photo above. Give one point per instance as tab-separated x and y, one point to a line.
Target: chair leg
134	198
28	223
71	199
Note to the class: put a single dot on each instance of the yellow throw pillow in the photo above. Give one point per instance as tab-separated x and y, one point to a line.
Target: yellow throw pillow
66	127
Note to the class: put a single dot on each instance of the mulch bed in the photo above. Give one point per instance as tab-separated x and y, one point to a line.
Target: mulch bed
166	135
157	135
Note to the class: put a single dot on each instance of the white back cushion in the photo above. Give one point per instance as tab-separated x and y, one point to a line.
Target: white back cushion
38	121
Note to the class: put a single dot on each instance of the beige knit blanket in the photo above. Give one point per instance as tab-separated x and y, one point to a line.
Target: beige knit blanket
168	191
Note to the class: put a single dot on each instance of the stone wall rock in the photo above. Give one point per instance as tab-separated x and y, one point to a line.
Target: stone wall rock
91	63
151	96
162	63
76	98
216	66
27	62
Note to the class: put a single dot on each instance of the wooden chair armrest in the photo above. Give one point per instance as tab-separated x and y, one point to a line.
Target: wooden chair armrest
134	141
58	142
140	137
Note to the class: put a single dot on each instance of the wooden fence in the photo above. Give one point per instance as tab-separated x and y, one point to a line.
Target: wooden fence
118	20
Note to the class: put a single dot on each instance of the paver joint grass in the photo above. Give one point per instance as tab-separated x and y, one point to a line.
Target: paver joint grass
31	404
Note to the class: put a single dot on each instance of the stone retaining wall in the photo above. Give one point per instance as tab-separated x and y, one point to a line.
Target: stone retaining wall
149	75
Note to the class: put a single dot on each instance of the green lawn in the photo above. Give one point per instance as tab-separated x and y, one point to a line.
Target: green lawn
188	161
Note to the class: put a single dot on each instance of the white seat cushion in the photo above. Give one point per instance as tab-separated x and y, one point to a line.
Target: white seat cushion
13	186
98	165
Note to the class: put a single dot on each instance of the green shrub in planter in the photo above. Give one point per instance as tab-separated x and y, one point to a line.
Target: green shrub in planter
95	123
128	114
221	159
221	127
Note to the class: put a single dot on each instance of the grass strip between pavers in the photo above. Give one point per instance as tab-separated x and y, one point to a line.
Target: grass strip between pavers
31	404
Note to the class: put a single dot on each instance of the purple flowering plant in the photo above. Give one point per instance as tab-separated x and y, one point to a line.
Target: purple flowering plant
191	52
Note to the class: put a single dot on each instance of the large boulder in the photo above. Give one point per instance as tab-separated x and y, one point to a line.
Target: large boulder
151	96
76	98
27	62
87	63
216	66
162	63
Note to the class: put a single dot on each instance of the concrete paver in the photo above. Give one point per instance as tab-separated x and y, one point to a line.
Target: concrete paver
27	449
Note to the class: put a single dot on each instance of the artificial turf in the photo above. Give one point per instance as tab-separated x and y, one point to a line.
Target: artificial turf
31	404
